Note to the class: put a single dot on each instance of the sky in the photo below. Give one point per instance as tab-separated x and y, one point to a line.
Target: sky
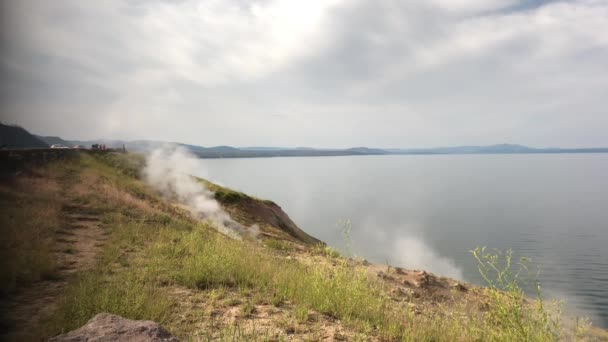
333	73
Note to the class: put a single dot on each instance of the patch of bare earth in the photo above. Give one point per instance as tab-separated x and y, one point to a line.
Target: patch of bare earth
77	243
229	314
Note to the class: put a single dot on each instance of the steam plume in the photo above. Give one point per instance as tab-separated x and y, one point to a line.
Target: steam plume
413	252
169	169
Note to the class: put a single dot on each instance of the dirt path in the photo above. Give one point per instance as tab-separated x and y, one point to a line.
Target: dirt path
77	244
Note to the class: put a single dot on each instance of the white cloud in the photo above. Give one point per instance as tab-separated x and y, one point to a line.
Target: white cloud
460	6
339	73
201	41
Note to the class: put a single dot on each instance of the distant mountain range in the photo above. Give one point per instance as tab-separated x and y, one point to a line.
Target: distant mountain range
494	149
269	151
17	137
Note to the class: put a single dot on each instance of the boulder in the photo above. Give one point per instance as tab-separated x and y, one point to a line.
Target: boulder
106	327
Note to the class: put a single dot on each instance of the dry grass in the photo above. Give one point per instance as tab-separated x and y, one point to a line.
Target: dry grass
123	199
30	210
87	181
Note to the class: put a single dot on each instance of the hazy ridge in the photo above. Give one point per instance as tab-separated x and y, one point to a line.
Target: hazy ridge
269	151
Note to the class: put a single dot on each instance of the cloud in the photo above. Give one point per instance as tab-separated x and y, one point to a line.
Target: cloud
341	73
471	5
147	42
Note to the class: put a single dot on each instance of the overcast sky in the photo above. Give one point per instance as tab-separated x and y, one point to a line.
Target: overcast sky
309	73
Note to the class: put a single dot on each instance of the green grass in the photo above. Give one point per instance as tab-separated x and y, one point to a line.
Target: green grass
207	260
125	294
279	245
121	283
129	164
328	251
229	196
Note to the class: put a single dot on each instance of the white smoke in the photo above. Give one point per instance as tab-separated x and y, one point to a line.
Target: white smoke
412	252
169	170
404	246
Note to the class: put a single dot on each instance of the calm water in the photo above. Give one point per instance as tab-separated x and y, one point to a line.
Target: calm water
429	211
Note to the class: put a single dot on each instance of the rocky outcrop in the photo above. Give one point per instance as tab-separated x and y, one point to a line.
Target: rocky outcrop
249	211
106	327
268	214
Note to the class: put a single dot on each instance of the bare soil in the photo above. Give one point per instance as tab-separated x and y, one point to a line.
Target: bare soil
76	246
238	314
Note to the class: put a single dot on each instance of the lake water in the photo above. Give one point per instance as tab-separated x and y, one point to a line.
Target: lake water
428	211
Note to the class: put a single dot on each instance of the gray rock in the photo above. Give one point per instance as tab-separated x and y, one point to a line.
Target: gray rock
106	327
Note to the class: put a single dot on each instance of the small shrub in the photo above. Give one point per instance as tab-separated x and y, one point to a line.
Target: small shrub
229	196
510	315
322	249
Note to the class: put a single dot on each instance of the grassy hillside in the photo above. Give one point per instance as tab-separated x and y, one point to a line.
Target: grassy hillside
18	137
86	236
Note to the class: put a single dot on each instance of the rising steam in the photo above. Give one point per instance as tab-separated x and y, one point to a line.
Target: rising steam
413	252
169	170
